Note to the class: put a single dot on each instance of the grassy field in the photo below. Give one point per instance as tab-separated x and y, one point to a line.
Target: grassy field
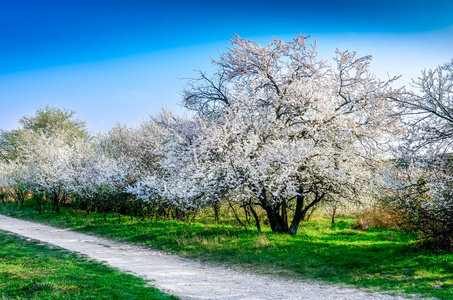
377	259
30	270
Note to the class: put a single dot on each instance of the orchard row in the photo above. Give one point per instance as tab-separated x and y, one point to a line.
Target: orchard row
275	127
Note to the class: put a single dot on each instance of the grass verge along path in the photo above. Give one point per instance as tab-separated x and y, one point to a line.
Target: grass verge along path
185	278
378	259
32	270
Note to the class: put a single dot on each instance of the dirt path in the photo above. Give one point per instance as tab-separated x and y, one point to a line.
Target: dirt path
179	276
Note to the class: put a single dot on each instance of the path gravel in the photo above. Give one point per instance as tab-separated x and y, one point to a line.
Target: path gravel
182	277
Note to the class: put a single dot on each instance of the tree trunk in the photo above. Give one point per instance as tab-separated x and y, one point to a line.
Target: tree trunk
39	204
298	215
317	199
301	211
3	195
257	220
275	220
216	207
237	217
20	197
246	212
334	210
56	202
284	213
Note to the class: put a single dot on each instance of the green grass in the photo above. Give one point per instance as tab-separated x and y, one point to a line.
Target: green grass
30	270
377	259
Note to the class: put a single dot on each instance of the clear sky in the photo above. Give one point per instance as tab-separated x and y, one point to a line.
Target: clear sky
121	61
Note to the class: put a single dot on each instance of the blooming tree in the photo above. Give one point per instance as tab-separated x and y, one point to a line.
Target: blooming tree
39	152
428	113
431	108
277	128
96	178
133	149
173	180
47	161
13	181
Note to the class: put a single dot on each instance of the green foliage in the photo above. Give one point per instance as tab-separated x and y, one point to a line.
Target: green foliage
45	121
51	119
9	143
382	259
29	270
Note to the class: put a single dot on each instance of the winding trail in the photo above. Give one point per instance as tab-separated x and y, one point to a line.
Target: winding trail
182	277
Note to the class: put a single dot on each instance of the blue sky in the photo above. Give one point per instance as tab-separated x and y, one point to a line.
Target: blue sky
121	61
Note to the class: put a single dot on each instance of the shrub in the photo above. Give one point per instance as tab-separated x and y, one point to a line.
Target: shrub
382	216
424	199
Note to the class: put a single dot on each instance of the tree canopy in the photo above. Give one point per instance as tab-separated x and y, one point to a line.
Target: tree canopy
51	119
275	129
